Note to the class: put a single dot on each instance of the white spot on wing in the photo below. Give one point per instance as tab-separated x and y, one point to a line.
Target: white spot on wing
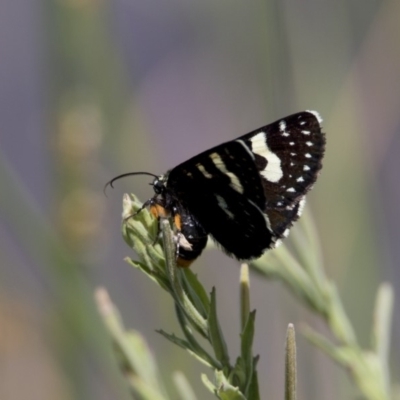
235	183
286	233
301	206
292	190
246	148
316	115
307	155
268	224
301	179
201	168
282	128
222	204
305	132
309	144
306	168
273	171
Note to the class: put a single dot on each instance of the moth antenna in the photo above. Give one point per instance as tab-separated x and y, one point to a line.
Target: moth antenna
110	183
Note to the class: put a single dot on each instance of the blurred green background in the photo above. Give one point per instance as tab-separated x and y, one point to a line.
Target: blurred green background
91	89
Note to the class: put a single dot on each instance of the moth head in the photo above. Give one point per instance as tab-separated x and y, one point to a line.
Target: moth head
159	184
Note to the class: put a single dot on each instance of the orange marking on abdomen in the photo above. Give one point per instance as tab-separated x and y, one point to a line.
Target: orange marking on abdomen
158	211
182	263
178	222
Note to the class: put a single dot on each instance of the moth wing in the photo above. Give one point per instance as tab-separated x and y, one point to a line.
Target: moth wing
222	189
247	193
288	155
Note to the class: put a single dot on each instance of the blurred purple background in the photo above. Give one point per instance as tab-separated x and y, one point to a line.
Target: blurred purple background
91	89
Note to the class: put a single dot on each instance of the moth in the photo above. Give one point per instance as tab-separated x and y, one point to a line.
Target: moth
246	193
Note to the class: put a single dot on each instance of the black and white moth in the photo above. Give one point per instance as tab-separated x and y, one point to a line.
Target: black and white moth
245	193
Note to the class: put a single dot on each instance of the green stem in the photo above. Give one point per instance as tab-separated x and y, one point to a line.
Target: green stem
290	364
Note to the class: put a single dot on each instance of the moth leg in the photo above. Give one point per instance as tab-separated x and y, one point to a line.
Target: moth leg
157	233
147	203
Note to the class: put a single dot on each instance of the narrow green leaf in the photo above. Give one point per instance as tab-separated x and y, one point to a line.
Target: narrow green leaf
228	392
180	296
246	345
208	384
381	330
143	391
186	346
238	375
308	248
252	392
154	275
382	323
247	337
337	318
195	346
225	390
143	360
175	340
217	341
193	284
281	264
183	386
339	354
137	360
